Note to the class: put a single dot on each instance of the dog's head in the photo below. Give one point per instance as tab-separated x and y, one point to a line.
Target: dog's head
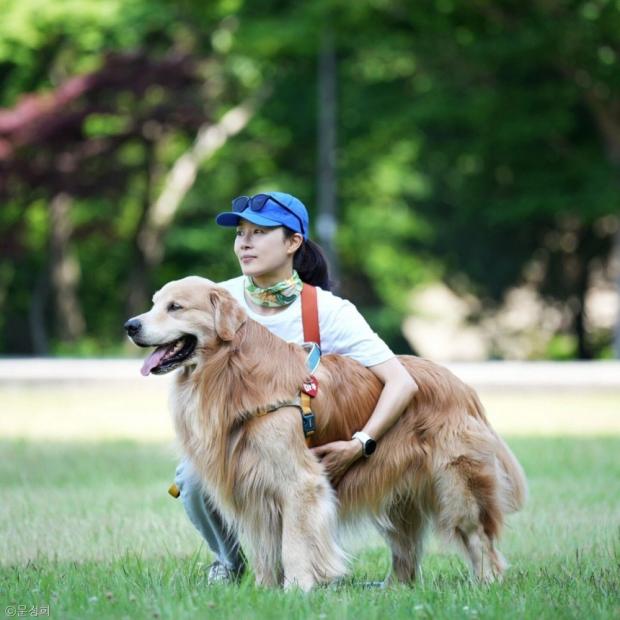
187	315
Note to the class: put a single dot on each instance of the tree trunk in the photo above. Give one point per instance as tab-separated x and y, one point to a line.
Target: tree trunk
616	274
36	313
158	215
606	117
587	249
138	282
64	272
584	351
327	113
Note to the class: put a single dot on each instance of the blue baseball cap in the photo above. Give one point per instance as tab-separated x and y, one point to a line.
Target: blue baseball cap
270	209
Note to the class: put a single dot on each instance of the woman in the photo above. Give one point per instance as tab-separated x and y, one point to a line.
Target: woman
276	258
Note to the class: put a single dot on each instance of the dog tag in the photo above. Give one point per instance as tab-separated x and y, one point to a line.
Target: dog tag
310	386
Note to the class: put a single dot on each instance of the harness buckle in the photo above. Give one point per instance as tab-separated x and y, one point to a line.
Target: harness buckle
308	422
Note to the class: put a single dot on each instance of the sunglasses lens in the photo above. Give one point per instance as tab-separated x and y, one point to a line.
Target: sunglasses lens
240	203
258	202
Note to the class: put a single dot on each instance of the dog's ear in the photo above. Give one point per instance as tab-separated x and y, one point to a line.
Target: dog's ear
228	316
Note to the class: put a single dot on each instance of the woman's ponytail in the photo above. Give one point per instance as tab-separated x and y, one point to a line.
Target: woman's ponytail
310	263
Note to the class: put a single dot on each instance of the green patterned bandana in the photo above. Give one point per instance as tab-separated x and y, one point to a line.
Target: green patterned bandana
280	294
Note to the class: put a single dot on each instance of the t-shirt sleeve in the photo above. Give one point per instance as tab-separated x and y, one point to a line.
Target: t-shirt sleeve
350	335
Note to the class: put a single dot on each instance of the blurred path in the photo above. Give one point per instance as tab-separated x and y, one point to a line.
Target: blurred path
481	375
102	400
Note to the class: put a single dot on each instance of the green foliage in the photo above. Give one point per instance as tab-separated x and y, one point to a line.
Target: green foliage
562	347
469	134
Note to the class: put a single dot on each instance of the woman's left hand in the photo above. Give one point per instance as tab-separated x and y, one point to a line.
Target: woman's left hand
337	457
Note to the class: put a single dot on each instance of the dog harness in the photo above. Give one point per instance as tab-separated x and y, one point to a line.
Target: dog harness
307	392
312	345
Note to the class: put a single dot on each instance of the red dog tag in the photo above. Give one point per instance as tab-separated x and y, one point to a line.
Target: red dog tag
310	386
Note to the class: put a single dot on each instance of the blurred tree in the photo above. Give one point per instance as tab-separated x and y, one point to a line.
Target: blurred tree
95	149
326	147
71	144
159	214
477	143
481	117
525	164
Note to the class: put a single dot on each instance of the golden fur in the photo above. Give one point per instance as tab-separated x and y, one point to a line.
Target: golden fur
440	462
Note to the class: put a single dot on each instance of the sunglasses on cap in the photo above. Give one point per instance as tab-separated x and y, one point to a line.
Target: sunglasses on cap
258	202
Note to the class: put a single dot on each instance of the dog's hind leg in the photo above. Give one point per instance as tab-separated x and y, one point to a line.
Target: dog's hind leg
310	552
486	561
470	513
404	527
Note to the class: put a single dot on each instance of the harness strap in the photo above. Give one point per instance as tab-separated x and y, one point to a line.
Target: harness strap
310	314
312	335
314	356
308	421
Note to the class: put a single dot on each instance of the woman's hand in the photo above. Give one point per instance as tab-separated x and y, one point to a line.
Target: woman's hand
337	457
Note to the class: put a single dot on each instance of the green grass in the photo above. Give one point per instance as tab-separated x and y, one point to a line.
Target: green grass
86	525
88	529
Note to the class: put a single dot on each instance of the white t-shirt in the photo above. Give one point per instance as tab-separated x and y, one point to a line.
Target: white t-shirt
343	329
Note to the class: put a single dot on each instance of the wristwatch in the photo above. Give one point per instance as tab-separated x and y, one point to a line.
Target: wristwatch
368	443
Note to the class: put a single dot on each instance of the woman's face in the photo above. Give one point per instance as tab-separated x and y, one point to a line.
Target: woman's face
265	254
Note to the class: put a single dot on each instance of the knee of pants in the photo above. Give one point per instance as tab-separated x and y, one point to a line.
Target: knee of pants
185	475
190	487
193	499
205	518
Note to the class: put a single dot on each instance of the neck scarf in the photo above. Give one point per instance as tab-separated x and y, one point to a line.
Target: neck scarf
280	294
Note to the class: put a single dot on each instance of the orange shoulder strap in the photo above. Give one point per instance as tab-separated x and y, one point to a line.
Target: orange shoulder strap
310	314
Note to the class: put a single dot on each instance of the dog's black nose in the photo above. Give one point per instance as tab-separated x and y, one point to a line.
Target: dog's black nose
133	326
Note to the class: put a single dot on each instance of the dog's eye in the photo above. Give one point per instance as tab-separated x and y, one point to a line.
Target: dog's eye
172	306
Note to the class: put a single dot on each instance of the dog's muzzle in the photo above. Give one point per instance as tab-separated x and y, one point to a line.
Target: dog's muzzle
166	356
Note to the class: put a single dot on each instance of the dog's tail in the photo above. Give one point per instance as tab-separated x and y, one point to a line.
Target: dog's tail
513	486
512	482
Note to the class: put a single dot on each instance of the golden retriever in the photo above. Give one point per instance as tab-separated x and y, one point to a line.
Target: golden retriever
441	462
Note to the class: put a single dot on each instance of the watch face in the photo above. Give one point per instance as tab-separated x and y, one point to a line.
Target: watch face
369	447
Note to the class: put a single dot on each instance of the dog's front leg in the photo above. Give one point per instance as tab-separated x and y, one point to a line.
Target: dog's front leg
285	481
262	528
310	552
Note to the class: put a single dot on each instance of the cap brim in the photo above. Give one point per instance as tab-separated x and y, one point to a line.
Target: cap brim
230	218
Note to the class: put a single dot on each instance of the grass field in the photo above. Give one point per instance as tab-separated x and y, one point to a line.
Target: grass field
86	526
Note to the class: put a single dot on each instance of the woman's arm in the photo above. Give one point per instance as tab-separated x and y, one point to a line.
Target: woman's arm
398	390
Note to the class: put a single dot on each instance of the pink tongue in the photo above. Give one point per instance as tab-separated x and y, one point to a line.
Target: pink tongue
153	359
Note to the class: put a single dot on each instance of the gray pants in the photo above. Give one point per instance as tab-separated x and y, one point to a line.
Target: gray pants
206	519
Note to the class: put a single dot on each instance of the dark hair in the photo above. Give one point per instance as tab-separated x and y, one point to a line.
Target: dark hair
310	262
